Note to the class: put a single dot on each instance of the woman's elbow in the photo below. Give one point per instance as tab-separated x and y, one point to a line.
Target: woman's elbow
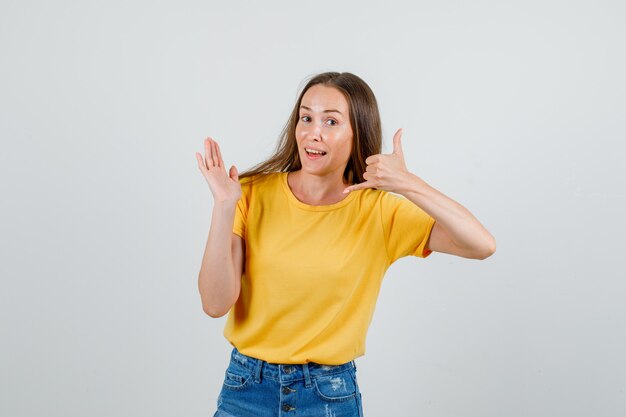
488	250
215	312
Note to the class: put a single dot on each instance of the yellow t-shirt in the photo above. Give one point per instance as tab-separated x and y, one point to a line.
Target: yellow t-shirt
312	274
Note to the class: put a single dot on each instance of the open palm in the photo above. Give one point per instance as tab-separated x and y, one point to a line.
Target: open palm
224	186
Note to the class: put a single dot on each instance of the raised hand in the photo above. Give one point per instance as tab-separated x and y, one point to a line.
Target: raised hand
384	171
225	187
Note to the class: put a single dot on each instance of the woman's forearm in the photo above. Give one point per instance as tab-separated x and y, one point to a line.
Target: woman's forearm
463	228
216	281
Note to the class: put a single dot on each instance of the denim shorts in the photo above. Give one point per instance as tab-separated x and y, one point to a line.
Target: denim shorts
255	388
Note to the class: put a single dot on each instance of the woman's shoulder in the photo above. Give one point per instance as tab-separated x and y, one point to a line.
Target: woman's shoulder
260	179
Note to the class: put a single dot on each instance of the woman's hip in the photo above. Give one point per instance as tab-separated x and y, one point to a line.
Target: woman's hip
255	388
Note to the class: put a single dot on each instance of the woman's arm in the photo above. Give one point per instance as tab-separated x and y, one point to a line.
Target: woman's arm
219	280
456	230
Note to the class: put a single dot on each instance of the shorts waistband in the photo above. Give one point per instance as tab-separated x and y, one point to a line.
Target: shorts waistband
287	372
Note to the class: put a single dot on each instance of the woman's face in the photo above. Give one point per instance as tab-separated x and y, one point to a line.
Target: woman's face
324	125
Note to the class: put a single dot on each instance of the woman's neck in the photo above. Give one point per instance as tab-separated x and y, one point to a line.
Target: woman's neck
316	190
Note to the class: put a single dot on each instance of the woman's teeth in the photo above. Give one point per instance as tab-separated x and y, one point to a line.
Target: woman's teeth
310	151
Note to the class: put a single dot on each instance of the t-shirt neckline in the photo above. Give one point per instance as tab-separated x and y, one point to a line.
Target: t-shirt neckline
294	200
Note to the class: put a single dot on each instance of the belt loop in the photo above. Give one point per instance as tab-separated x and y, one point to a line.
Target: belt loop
257	370
307	376
354	364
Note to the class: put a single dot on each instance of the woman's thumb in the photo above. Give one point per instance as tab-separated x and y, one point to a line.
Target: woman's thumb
233	173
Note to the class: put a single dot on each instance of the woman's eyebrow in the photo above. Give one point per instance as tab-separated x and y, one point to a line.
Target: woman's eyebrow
324	111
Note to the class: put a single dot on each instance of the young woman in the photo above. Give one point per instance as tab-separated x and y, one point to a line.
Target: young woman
299	245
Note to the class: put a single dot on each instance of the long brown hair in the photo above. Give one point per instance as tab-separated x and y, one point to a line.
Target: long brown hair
364	120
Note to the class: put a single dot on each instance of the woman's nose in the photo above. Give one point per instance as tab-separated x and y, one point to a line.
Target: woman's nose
315	131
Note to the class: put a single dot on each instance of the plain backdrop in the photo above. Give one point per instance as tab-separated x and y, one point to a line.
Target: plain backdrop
515	109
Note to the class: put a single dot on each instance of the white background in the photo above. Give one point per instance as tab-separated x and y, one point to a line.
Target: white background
514	109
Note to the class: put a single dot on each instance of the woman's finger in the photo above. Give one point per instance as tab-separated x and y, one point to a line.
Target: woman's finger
216	161
219	154
200	162
360	186
208	159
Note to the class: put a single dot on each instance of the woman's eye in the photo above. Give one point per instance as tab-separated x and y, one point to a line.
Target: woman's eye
308	119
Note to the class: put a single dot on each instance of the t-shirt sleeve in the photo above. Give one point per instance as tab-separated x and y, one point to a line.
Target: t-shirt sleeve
406	227
241	211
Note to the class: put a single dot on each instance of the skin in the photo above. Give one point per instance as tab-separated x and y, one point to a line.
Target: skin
320	182
219	279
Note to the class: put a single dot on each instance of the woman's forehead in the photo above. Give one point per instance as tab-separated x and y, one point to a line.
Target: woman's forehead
321	98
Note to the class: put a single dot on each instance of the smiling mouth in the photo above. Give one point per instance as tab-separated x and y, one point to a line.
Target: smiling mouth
315	153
